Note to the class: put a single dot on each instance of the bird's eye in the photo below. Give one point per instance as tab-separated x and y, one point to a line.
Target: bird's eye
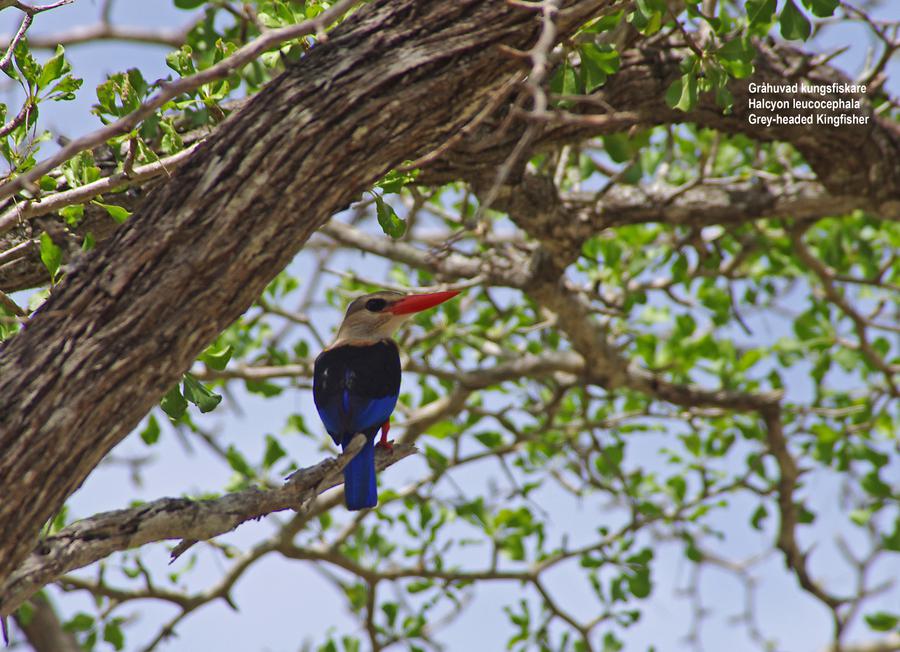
375	305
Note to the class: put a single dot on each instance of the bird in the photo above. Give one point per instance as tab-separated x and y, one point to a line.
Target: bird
356	381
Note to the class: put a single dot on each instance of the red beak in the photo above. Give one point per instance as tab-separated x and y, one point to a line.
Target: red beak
419	302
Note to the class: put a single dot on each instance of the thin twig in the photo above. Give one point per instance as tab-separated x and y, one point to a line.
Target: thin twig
11	305
49	203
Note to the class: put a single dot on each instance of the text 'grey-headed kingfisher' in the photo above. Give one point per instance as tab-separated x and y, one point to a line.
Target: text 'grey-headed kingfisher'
356	381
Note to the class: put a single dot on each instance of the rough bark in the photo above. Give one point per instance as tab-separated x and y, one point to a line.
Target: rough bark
393	81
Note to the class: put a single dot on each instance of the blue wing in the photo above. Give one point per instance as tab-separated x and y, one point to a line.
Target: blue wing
352	414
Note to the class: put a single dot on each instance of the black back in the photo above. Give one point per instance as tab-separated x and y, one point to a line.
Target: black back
357	374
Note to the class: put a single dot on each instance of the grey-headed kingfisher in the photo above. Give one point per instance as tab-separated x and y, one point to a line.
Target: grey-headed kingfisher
356	381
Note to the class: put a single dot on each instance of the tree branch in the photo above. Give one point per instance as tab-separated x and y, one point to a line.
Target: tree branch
860	325
94	538
103	31
563	222
43	629
80	194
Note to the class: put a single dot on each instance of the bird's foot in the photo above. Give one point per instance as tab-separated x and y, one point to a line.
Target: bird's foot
384	443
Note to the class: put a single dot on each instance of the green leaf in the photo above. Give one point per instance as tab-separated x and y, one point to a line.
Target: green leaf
55	67
171	140
72	214
680	268
724	99
603	24
389	221
647	16
618	147
199	394
436	459
860	516
736	57
189	4
565	81
692	443
394	181
181	61
682	93
65	88
118	213
875	486
673	93
804	515
24	614
27	64
390	610
112	634
592	77
274	452
47	183
106	97
758	517
263	387
58	522
678	485
419	585
605	56
794	25
51	255
217	358
237	462
610	643
760	12
640	585
490	439
150	434
597	62
173	404
81	622
882	621
821	8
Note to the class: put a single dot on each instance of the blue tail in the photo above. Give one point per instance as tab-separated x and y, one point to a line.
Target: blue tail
359	477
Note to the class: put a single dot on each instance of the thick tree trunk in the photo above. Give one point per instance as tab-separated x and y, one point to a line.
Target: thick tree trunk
393	81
